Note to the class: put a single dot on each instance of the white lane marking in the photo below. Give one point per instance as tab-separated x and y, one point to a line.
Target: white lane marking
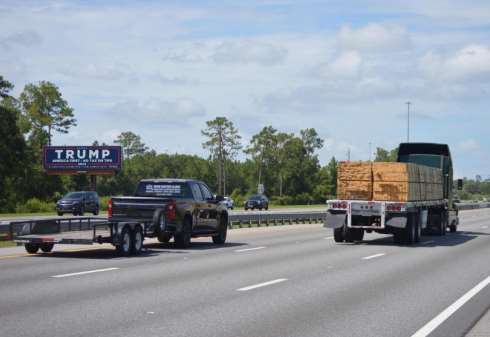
427	242
265	284
248	249
373	256
85	272
484	227
439	319
328	238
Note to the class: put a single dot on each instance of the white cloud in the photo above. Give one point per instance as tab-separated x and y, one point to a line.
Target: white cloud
469	145
471	63
249	51
346	65
374	37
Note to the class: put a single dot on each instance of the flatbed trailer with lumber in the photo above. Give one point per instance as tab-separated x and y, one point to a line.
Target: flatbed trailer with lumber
407	198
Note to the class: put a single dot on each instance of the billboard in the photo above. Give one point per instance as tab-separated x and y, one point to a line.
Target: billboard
81	159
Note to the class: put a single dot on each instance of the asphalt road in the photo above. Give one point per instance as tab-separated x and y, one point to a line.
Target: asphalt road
275	281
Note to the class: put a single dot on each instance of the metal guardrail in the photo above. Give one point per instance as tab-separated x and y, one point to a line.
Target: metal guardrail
10	229
274	218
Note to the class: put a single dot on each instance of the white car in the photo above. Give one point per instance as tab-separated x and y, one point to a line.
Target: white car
228	202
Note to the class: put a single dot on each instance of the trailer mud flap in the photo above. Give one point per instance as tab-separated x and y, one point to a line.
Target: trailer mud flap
334	220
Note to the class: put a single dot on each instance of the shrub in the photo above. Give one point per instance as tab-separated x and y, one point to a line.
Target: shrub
103	203
35	205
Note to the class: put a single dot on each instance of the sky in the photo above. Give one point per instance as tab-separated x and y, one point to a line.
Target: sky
161	69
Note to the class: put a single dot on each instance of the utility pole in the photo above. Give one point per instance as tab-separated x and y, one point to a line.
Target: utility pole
408	121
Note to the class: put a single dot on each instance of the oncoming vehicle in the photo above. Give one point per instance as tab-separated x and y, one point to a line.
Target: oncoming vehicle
78	203
228	202
258	201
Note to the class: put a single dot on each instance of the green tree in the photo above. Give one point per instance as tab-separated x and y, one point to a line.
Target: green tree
386	155
5	87
12	150
263	149
46	111
311	140
131	144
223	143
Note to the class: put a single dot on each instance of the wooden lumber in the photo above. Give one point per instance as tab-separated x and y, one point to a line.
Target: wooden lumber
389	181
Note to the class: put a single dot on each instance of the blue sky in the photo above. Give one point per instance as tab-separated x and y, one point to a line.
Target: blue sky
162	68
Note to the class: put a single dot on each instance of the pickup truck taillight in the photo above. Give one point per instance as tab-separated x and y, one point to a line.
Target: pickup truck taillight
109	208
172	205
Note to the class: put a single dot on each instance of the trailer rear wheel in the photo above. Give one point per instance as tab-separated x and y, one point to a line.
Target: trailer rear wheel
124	247
31	248
47	247
411	232
338	234
137	240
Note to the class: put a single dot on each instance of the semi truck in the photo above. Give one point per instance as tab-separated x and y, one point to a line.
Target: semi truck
406	219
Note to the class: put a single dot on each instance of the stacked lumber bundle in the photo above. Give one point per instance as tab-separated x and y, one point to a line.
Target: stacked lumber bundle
383	181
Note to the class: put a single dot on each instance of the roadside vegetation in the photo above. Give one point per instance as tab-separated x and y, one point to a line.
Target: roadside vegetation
285	163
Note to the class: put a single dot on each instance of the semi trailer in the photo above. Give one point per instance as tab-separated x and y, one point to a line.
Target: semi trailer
374	197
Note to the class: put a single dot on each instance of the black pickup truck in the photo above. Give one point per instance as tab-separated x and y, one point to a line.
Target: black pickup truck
179	208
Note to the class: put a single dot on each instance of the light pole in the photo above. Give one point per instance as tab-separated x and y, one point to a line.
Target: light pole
408	121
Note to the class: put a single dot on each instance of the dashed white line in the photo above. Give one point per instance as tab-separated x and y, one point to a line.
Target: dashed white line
427	242
248	249
329	238
484	227
439	319
84	272
265	284
373	256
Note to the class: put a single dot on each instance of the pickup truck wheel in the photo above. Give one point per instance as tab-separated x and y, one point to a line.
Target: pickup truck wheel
124	247
221	237
338	234
47	247
31	248
137	240
183	239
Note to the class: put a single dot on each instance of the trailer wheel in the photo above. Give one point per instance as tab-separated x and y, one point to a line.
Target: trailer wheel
453	228
438	223
137	240
124	247
411	231
222	231
183	239
338	234
47	247
31	248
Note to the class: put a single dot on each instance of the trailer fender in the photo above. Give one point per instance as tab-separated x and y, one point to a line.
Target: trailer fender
334	220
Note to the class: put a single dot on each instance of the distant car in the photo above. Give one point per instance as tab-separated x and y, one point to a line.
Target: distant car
258	201
78	203
228	202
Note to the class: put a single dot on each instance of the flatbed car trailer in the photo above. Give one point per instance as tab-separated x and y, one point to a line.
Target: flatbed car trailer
127	237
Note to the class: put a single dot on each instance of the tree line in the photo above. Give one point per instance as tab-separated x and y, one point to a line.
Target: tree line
286	164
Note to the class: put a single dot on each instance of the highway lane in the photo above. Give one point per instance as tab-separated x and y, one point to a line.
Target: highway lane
276	281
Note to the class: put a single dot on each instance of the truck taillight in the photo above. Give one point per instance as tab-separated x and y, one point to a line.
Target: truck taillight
109	208
395	207
171	211
338	205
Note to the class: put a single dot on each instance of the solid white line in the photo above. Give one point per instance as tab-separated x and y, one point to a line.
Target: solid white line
265	284
248	249
439	319
84	272
373	256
